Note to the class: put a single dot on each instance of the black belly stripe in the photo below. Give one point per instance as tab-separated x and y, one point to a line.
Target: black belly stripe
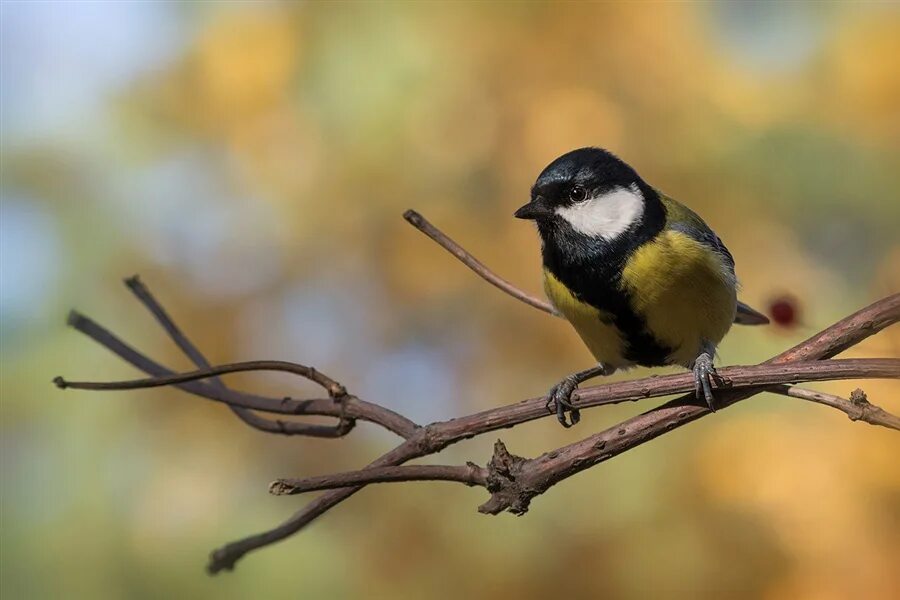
597	281
606	294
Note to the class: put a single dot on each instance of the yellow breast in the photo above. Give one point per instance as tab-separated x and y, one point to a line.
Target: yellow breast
594	327
683	291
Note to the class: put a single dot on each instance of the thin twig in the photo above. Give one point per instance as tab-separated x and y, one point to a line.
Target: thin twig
420	223
224	558
857	410
143	294
795	391
334	389
470	474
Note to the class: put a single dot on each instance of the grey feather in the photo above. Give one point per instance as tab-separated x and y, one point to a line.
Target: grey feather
681	218
700	231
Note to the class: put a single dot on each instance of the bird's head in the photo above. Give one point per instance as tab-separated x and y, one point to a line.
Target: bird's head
588	191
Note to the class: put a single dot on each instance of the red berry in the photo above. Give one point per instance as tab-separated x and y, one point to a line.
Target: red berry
784	311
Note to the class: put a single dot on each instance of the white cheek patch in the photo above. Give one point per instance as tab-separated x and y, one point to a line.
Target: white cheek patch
607	215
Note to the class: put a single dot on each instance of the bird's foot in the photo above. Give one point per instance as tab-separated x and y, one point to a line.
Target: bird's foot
560	395
704	374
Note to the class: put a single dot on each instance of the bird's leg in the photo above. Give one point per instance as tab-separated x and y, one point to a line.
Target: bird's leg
561	393
704	373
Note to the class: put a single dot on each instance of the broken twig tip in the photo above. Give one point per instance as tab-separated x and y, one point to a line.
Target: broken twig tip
74	318
279	488
413	217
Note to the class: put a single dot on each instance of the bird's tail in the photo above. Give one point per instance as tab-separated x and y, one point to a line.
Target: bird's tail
749	316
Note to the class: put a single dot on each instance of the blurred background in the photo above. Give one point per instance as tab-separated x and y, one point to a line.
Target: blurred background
251	161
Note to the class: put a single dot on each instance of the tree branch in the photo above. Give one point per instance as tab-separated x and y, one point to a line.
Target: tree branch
756	377
513	481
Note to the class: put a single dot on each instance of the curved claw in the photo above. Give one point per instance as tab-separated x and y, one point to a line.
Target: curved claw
560	395
704	373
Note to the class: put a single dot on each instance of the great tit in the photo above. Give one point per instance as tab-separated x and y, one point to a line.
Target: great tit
642	279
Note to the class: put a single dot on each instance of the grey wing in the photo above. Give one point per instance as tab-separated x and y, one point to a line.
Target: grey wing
701	232
698	230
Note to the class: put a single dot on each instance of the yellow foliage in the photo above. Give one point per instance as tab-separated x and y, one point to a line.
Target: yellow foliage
862	91
242	65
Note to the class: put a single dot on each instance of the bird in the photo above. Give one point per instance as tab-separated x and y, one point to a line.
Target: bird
642	278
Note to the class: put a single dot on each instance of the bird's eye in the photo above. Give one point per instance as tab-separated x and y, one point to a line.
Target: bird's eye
577	193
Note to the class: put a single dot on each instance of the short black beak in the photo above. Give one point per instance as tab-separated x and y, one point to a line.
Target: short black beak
536	209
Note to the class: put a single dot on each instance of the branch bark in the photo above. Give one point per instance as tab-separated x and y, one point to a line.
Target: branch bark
512	481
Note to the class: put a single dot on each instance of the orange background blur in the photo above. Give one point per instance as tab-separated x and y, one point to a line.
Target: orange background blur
251	162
